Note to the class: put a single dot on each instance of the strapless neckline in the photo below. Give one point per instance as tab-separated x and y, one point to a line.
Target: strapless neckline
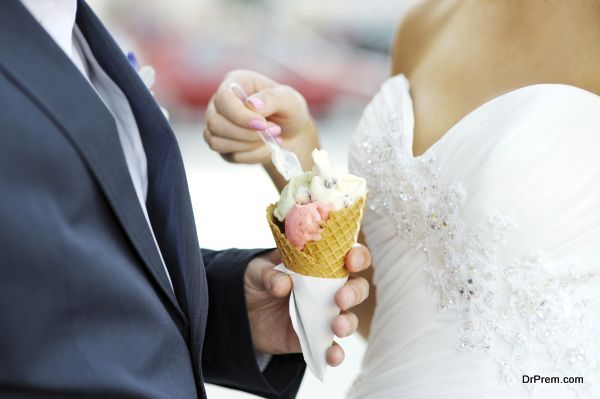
484	247
457	124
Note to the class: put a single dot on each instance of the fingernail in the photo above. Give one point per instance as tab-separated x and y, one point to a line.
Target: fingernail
351	298
272	282
258	124
275	130
360	259
346	327
256	102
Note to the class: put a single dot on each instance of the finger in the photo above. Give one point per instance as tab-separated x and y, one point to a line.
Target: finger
226	146
282	100
345	324
233	109
355	291
335	355
273	256
276	283
261	154
220	126
358	258
249	81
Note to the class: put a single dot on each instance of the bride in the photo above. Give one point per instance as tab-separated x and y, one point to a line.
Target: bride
482	158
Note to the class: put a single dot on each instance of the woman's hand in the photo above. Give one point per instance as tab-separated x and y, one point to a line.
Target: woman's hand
232	122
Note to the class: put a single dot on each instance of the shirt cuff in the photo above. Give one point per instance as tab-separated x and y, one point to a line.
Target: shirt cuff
263	359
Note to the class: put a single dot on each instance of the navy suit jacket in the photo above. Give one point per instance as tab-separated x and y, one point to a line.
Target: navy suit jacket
86	309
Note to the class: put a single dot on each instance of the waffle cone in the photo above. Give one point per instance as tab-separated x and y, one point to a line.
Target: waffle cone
325	257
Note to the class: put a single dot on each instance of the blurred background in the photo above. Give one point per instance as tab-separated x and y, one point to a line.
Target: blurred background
335	52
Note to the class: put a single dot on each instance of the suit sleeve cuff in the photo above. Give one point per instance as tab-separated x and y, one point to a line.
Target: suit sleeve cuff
229	358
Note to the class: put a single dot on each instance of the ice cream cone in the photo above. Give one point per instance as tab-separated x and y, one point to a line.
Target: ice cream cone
325	257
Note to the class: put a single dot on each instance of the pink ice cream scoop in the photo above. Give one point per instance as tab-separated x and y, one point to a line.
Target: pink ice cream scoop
303	223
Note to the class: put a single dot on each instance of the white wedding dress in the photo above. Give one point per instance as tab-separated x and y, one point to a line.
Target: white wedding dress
486	249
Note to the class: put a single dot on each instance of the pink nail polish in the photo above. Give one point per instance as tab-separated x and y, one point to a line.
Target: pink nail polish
256	102
275	130
257	124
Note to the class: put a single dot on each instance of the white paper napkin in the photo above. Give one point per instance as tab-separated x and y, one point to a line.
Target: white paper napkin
312	310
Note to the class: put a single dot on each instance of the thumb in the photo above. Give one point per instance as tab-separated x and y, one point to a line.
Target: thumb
276	283
262	276
282	101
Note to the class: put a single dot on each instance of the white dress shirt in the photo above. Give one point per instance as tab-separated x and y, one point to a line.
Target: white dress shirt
57	17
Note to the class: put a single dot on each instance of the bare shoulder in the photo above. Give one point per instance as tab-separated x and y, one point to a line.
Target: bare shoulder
416	30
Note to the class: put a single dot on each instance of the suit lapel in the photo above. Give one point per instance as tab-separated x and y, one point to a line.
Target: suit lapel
30	58
168	203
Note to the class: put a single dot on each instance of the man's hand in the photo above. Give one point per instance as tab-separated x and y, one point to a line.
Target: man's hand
267	296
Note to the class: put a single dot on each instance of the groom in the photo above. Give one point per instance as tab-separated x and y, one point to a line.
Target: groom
104	291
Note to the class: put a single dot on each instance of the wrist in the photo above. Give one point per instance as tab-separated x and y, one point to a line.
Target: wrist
303	143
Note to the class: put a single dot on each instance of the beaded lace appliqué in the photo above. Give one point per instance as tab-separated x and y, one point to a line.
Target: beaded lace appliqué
521	302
